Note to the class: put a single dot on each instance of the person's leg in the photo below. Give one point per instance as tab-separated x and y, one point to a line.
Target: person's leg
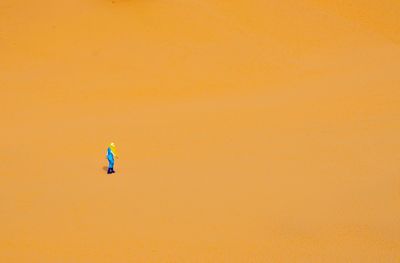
110	166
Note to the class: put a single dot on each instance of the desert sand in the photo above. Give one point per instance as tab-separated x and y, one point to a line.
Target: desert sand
248	131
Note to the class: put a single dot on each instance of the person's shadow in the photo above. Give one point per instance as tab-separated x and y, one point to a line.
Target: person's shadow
105	168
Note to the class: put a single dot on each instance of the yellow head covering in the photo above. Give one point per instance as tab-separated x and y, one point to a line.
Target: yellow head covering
113	149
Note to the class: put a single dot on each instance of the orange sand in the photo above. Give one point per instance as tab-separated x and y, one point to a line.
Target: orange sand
248	131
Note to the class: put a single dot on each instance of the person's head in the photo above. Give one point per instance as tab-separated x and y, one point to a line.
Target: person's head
112	144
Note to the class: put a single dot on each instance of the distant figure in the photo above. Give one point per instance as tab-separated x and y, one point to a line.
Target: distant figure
111	153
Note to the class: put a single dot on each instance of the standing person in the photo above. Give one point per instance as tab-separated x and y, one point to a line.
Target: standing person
111	153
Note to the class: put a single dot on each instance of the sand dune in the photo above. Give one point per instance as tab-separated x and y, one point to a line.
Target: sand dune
248	131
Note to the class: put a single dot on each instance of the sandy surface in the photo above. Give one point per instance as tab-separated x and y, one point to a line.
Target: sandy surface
248	131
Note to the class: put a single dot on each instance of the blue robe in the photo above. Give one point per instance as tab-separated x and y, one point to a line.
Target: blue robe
110	158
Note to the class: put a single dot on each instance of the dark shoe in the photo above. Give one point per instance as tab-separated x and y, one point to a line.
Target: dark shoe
112	170
109	171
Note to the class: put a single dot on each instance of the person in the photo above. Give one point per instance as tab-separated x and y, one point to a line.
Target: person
111	154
